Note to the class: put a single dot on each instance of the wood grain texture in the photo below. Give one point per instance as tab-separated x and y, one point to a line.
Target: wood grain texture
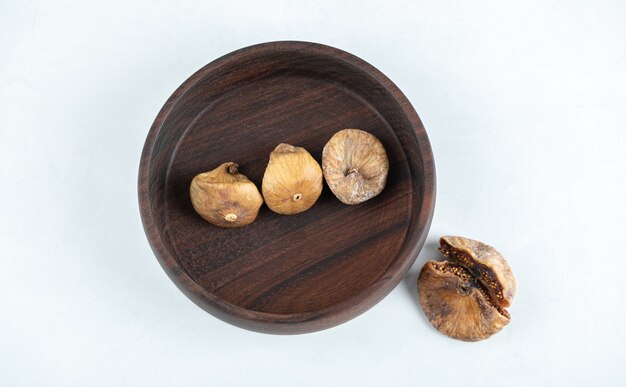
285	274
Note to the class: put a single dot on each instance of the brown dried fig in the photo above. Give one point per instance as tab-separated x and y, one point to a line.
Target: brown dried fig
456	304
485	263
224	197
355	165
465	298
292	181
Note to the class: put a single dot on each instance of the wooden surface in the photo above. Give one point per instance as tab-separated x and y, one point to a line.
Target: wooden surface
285	274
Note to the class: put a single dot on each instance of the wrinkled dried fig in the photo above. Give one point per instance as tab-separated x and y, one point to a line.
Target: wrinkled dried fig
456	304
485	263
224	197
465	298
355	165
292	181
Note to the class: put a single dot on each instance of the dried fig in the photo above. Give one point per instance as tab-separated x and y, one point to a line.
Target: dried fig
485	263
355	165
456	304
465	298
224	197
292	181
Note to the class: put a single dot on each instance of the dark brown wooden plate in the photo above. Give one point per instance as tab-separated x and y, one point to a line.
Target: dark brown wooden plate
285	274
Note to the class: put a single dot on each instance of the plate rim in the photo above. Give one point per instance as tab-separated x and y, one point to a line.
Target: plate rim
335	314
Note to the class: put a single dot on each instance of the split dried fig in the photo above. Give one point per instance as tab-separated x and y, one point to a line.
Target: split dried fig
355	165
224	197
485	263
464	298
292	181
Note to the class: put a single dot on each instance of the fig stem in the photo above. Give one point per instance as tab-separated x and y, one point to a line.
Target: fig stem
230	217
232	168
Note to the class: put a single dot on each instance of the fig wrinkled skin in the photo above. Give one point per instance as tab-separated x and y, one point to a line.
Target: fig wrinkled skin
292	181
224	197
465	298
355	165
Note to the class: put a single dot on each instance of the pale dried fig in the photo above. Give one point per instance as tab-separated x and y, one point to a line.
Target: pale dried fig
355	165
224	197
465	298
292	181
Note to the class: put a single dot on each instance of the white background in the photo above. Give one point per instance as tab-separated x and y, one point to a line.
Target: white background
524	103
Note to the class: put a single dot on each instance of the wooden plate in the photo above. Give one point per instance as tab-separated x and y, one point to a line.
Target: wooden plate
285	274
